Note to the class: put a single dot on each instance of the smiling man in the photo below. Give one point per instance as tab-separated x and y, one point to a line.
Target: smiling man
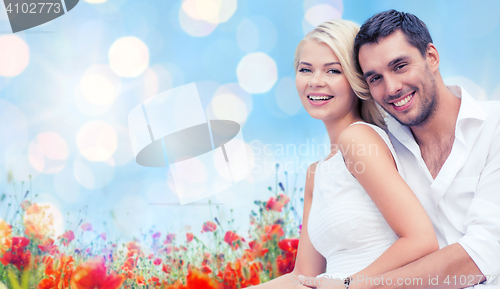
449	147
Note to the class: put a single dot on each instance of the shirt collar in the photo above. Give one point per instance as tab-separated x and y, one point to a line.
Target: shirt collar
469	109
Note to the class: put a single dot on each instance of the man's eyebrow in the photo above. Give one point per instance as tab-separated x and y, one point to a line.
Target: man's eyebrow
396	60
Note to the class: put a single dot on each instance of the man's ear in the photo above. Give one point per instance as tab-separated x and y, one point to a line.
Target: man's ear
432	57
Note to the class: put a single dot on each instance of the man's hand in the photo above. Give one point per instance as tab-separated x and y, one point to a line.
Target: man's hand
319	283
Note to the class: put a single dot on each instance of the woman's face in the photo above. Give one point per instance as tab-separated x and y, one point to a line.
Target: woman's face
322	86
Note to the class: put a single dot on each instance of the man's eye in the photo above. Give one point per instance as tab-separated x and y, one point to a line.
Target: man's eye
400	66
304	70
373	79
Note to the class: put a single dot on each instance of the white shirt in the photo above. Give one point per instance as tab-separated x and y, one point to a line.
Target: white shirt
463	202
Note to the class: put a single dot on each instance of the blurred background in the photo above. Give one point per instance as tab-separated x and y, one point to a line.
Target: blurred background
67	87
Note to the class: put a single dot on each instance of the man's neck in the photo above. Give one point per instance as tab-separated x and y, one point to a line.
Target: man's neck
436	136
443	121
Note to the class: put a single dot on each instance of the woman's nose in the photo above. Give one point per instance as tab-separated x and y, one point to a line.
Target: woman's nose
317	80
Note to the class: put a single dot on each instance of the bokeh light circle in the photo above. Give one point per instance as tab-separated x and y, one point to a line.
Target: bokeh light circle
230	102
320	12
229	106
337	4
14	55
257	73
287	97
48	155
211	11
128	57
195	27
97	90
97	141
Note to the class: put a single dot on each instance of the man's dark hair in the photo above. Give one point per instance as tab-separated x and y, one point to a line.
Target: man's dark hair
385	23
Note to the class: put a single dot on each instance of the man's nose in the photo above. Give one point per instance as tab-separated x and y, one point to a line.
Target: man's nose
393	85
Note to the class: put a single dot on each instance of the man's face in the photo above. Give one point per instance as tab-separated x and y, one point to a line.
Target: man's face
400	79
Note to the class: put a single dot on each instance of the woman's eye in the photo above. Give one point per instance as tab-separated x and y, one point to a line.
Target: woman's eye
304	70
334	71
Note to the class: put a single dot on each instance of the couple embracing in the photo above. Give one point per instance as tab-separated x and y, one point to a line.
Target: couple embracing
423	209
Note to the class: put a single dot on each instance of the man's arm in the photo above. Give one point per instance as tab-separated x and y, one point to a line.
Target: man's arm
449	264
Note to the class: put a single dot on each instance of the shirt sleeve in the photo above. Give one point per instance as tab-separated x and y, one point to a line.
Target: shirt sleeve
482	222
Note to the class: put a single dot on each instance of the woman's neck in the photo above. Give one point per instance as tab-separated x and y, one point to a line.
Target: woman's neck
335	128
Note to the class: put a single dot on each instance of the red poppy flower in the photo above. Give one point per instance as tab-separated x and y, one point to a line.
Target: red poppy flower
209	226
47	284
205	269
256	249
140	280
271	231
60	276
169	239
18	255
67	237
286	263
166	268
282	198
289	245
155	281
92	275
48	246
157	261
87	226
133	249
196	279
128	265
189	237
232	239
274	204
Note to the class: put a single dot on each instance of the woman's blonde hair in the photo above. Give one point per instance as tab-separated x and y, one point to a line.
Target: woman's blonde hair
339	36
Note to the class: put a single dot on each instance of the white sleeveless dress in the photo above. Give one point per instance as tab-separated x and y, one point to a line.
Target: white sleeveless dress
344	224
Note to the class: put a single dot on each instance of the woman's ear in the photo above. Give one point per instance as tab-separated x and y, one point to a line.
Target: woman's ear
432	57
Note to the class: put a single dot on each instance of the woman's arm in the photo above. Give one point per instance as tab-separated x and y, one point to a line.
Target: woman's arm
392	196
308	261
